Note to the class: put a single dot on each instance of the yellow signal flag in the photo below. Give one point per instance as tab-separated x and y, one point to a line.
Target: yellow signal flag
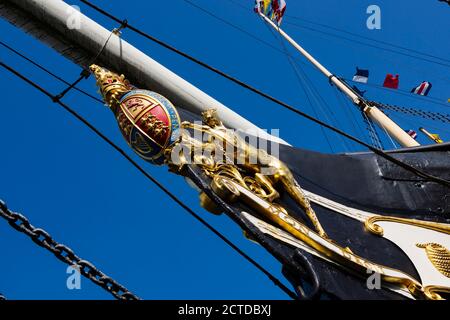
433	136
437	138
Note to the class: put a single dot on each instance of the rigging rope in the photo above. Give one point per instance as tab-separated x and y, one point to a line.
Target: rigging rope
268	44
348	109
429	115
389	136
435	100
65	254
100	101
85	74
412	124
368	38
406	93
367	44
300	81
359	42
373	134
275	280
379	152
411	66
48	71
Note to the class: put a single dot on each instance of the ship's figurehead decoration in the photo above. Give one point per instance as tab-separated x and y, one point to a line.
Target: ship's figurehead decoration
148	121
151	126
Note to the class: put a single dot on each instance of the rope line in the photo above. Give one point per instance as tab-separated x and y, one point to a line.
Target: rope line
370	39
406	93
429	115
368	44
373	134
379	152
297	61
423	72
83	75
247	9
276	281
300	81
39	66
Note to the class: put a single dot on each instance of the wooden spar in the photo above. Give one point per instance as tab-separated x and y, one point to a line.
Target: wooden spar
372	112
47	20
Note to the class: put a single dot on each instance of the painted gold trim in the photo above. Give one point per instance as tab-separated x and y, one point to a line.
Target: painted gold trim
339	255
432	292
370	224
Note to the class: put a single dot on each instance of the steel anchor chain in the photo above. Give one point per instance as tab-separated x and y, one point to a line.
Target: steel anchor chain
65	254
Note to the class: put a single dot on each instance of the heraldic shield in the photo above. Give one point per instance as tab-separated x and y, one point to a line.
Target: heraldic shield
149	123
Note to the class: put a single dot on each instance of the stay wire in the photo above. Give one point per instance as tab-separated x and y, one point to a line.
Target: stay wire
39	66
379	152
375	138
351	107
405	93
413	124
300	82
389	136
268	44
322	101
46	70
373	46
275	280
348	114
359	42
370	39
367	44
295	59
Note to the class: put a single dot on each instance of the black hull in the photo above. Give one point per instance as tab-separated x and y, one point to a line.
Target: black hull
363	181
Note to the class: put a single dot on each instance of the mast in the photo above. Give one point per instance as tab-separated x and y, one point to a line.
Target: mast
47	20
432	137
394	130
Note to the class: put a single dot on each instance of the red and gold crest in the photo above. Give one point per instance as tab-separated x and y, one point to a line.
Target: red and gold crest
149	123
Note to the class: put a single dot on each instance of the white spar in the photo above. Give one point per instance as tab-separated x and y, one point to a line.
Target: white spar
48	20
372	112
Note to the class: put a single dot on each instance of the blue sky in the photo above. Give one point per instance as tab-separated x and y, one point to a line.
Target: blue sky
67	181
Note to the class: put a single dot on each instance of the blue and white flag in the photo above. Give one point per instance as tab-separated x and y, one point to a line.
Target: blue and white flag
361	75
